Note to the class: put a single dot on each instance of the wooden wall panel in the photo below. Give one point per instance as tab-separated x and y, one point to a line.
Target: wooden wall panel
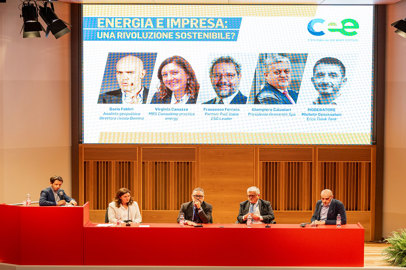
112	153
99	174
168	154
225	175
103	179
291	177
344	154
350	183
166	185
287	185
285	154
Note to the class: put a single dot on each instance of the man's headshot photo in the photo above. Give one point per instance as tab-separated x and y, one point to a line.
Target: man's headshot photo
128	75
278	75
225	77
328	79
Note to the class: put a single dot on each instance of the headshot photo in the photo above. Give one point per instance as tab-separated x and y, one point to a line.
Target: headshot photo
225	76
126	78
328	79
177	82
277	78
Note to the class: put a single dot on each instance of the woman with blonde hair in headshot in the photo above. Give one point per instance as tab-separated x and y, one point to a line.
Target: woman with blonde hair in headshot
178	83
123	209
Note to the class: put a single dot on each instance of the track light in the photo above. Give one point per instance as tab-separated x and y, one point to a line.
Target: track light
400	27
31	26
57	27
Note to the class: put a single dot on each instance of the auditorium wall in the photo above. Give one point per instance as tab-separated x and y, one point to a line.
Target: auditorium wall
394	210
35	107
35	112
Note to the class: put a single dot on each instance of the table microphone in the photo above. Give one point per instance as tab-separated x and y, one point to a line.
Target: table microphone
304	224
127	221
60	194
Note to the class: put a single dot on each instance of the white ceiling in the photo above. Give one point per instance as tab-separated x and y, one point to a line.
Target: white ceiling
319	2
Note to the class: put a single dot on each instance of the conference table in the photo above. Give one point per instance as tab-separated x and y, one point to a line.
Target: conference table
33	231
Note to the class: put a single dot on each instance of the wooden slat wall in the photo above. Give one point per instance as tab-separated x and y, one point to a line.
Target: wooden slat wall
166	185
287	185
290	177
350	181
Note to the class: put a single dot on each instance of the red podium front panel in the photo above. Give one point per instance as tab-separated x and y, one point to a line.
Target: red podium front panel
9	233
42	235
225	245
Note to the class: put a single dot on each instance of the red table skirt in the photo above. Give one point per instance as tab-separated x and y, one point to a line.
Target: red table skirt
31	235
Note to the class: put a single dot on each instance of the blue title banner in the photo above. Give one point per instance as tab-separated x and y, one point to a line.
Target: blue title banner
161	28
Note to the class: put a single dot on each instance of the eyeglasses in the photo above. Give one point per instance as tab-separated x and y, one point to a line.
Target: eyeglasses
228	76
252	196
198	196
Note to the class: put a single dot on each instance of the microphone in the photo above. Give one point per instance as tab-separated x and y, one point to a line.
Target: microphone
60	194
304	224
127	221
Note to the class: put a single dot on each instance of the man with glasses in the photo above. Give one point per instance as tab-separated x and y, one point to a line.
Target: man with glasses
276	88
197	210
259	210
327	209
225	76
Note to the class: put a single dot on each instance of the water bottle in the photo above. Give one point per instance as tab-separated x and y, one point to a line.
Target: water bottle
249	221
338	222
28	200
181	219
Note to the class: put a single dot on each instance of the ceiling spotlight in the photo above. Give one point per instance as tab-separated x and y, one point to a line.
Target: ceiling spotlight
400	27
31	26
57	27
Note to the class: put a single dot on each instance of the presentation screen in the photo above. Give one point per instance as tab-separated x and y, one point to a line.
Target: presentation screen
227	74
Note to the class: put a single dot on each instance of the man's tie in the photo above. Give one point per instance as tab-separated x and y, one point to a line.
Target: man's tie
251	208
288	97
196	217
220	101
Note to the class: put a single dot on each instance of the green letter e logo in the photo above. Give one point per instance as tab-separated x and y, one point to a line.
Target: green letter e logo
346	24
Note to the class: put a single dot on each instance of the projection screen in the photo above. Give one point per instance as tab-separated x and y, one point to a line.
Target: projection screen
227	74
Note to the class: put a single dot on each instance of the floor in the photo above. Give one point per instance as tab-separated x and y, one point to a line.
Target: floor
373	255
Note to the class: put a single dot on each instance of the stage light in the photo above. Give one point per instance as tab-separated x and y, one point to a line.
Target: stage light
400	27
54	25
31	26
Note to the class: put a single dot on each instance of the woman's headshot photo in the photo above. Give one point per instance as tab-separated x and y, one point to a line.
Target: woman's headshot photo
178	83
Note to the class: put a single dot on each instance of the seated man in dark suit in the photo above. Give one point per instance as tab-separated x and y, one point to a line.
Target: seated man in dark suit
197	210
225	76
276	88
260	210
327	209
54	195
129	73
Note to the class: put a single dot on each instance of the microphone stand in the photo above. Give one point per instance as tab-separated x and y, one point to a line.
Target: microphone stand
127	222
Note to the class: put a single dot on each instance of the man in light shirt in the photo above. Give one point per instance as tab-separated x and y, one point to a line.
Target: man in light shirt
225	76
259	210
129	73
54	195
327	209
277	76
